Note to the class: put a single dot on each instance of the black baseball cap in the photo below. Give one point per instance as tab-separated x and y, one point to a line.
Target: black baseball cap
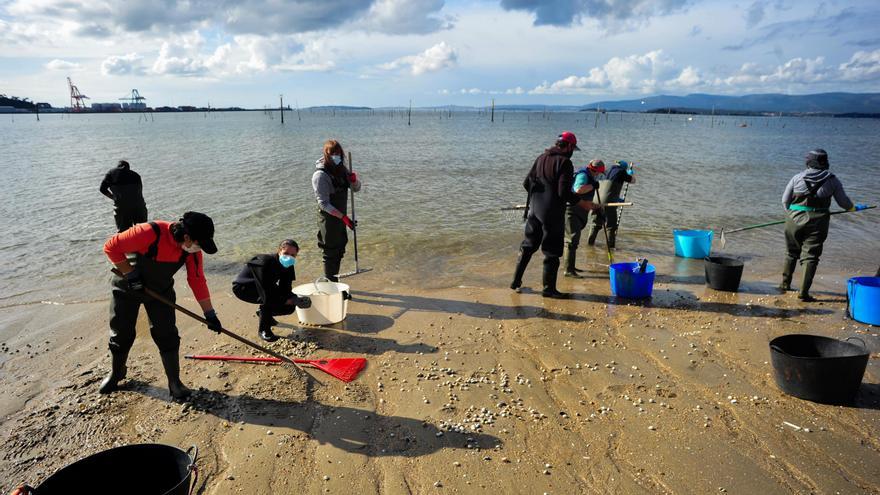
200	228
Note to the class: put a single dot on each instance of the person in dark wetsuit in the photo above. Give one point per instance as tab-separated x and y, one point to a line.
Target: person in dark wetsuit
585	186
807	198
267	280
159	250
124	187
609	192
549	183
331	182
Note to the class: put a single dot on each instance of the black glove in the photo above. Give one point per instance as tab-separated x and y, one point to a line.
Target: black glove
135	282
213	322
303	302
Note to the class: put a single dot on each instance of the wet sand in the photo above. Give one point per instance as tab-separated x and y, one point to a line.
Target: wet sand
470	388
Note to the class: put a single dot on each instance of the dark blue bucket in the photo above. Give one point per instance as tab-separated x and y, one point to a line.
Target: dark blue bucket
630	284
863	294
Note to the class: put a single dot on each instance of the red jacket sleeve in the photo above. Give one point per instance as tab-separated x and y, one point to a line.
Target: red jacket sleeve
195	276
134	240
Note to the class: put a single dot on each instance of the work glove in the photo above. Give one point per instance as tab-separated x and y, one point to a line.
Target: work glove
134	280
303	302
351	224
860	207
353	177
213	322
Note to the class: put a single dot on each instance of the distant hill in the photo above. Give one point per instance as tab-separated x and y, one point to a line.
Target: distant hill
336	107
831	103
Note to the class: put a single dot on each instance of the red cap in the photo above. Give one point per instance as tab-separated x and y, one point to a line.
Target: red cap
569	137
597	166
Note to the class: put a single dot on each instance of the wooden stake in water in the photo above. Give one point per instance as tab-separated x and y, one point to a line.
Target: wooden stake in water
281	106
493	110
409	114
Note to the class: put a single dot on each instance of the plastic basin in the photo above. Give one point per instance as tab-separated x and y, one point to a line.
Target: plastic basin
692	243
140	469
631	285
723	273
863	294
816	368
329	302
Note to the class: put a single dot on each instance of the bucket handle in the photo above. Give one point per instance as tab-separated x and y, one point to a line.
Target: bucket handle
864	345
193	468
346	295
320	292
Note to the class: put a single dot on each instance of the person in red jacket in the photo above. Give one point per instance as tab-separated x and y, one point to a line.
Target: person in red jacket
159	250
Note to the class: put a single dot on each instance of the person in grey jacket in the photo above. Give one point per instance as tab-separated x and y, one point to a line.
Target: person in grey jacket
807	198
331	182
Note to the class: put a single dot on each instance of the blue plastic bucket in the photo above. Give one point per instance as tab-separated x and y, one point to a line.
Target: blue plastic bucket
864	299
692	243
629	284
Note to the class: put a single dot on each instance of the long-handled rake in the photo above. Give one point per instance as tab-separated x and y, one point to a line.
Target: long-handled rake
357	268
346	369
777	222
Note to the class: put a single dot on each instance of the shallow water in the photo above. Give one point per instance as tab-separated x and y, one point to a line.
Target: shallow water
433	191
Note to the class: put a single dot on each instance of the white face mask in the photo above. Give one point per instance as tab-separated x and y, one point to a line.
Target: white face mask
192	249
337	159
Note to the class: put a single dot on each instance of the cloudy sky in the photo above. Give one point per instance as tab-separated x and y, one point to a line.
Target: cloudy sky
436	52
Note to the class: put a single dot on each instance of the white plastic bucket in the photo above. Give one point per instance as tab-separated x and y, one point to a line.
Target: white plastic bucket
329	302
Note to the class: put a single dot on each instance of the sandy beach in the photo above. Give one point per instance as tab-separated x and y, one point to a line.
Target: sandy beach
469	389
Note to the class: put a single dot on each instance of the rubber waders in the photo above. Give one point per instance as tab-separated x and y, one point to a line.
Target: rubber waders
809	273
551	271
171	363
521	265
117	372
787	273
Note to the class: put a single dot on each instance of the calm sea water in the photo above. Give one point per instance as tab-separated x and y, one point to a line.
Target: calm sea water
433	190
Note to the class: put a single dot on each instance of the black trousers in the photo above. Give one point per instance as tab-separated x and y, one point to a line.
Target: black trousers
332	238
124	309
249	293
547	236
128	217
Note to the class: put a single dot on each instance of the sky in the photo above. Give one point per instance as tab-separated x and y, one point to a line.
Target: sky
433	52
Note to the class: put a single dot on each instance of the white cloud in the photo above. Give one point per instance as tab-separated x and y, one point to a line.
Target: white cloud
689	78
63	65
635	73
405	17
862	66
438	57
122	65
515	91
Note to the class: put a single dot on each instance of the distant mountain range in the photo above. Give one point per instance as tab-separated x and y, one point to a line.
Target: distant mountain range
830	103
821	103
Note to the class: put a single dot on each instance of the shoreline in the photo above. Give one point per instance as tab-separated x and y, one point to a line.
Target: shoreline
481	389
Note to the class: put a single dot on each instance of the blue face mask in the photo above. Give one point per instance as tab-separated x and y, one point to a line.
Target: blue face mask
337	159
286	260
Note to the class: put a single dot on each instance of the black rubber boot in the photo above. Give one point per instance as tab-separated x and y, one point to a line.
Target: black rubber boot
171	363
265	329
272	320
331	269
551	271
594	231
570	270
787	272
612	238
117	372
809	273
521	264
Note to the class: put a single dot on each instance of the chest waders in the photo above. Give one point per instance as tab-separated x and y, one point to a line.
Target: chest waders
129	208
806	229
609	192
332	236
124	308
575	221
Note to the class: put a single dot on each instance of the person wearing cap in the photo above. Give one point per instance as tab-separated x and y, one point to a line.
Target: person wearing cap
609	192
585	185
124	187
549	184
331	182
267	280
807	199
160	249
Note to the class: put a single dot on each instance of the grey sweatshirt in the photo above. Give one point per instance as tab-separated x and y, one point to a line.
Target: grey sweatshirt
811	176
323	186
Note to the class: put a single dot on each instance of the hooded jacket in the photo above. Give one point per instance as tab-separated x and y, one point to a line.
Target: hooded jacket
326	184
800	185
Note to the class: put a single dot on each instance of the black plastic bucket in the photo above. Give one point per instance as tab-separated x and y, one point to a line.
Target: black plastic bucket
140	469
723	273
820	369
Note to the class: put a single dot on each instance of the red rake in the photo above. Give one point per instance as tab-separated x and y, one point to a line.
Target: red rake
346	369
